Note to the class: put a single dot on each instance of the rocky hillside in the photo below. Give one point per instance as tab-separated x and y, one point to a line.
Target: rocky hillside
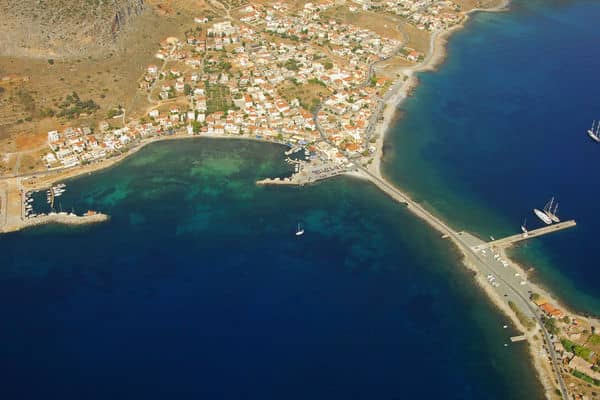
64	28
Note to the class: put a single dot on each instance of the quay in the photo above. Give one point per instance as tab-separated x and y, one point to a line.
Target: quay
511	240
309	172
12	209
519	338
57	218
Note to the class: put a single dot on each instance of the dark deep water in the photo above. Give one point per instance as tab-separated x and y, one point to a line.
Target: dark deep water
198	288
501	128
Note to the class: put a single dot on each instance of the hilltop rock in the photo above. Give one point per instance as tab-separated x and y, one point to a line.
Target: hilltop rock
64	28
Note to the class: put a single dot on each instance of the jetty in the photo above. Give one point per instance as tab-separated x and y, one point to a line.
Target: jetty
57	218
519	338
13	215
511	240
309	172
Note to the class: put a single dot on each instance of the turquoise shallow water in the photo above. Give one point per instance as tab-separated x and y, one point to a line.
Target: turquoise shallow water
197	286
501	128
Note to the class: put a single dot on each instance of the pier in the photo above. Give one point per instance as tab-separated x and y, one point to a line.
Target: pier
520	338
309	172
511	240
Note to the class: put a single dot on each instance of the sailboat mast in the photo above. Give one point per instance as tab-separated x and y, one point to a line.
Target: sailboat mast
548	206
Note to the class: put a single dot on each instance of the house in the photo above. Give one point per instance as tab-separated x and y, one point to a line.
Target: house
551	311
152	69
53	136
153	114
50	158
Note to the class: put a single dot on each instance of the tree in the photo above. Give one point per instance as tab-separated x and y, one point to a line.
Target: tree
187	89
50	61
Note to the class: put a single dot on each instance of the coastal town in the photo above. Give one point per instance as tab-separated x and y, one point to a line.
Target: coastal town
324	88
303	80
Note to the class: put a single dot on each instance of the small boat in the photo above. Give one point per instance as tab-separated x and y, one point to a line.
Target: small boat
551	213
524	226
541	215
594	134
299	230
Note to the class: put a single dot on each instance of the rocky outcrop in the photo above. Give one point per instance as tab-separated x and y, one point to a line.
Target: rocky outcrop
64	28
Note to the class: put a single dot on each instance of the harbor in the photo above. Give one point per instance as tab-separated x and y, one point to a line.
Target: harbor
18	209
309	172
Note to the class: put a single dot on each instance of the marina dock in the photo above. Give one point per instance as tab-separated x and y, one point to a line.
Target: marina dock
511	240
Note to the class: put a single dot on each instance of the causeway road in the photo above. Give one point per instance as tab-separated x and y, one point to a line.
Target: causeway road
509	287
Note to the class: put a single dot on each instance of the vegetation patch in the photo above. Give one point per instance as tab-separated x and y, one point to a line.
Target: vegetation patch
577	349
550	325
594	340
309	95
73	106
218	98
586	378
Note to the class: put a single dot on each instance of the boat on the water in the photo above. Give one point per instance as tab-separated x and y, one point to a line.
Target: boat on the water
542	216
552	212
299	230
594	134
524	227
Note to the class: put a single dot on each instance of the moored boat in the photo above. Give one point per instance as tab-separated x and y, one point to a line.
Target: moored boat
594	134
550	212
542	216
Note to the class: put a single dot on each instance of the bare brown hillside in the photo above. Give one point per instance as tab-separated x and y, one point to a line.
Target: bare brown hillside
63	28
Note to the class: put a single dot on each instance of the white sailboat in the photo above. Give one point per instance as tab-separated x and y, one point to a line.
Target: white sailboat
551	212
299	230
594	134
542	215
524	227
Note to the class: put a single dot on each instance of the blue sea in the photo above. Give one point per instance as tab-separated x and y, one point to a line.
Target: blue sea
198	287
501	128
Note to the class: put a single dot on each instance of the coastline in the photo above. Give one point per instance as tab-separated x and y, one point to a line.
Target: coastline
12	188
434	59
